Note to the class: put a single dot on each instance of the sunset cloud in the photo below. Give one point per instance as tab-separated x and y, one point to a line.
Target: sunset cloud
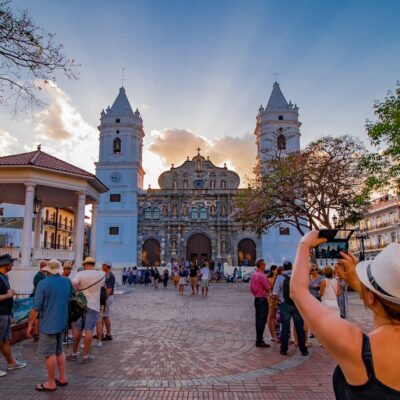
172	146
8	144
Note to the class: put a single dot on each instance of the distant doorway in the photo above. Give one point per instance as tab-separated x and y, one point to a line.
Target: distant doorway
151	254
198	248
246	252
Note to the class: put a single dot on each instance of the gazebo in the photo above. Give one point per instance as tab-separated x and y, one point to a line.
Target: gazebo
37	179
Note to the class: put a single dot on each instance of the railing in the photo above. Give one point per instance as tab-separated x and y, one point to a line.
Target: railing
64	227
48	254
376	246
12	251
385	224
49	245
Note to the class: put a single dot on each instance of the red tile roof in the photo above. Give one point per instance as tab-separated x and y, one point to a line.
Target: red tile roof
43	160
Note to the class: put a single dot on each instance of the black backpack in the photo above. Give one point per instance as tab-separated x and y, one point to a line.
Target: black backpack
286	290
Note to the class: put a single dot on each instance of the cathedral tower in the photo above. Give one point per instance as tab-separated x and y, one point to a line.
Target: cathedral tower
278	126
120	168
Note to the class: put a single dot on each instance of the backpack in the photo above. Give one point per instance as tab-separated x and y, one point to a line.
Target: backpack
286	290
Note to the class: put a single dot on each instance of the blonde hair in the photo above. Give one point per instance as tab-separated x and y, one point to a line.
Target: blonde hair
328	272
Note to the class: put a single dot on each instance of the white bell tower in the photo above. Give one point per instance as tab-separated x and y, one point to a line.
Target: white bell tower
278	133
278	126
120	169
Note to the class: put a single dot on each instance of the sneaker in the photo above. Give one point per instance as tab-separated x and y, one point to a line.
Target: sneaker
3	373
99	343
87	359
72	357
17	365
106	337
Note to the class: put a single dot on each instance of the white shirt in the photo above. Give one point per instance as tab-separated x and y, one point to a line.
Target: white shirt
205	273
88	277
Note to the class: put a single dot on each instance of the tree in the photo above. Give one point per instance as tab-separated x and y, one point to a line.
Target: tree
306	189
384	166
28	58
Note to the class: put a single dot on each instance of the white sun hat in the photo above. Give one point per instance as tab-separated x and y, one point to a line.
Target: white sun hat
382	274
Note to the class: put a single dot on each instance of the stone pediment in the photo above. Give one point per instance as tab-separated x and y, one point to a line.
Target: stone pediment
198	173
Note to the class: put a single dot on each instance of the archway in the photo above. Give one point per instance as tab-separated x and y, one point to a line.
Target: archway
151	253
198	248
246	252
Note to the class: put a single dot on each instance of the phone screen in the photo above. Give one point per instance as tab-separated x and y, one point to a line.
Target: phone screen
331	250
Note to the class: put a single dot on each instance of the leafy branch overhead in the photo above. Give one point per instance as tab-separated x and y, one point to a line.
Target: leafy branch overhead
307	188
28	57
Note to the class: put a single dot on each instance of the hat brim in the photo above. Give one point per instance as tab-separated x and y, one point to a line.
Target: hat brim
59	270
361	271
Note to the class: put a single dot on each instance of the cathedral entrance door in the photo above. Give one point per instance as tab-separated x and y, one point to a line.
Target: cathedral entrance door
151	253
198	248
246	252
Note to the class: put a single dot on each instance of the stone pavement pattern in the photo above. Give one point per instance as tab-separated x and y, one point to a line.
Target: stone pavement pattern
168	346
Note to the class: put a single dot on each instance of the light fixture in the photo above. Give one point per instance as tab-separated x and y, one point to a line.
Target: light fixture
335	220
37	203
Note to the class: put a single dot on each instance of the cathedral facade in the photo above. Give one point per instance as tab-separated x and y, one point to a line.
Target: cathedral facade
190	216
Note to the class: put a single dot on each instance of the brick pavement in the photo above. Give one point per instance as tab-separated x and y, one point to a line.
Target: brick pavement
168	346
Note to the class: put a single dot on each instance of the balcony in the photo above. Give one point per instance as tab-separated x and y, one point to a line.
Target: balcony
63	227
383	225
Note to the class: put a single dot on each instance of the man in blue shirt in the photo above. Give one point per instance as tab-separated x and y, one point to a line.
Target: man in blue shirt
51	301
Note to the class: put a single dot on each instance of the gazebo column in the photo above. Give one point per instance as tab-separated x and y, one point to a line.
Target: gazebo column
27	228
79	228
93	229
36	233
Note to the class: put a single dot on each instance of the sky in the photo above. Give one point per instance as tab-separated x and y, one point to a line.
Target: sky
199	70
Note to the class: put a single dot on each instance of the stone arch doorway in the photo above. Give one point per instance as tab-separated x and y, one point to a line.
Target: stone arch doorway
151	253
198	248
246	252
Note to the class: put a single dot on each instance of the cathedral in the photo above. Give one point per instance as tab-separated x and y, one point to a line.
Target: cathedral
190	216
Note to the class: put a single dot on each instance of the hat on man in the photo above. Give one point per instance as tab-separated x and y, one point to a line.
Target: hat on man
67	264
382	274
89	260
108	263
54	267
6	259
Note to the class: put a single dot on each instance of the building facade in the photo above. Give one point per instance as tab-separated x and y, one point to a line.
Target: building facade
190	216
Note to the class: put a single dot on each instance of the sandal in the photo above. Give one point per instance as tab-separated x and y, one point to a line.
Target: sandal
41	388
59	383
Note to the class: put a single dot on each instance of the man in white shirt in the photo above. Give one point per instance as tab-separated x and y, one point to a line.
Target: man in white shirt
89	281
205	278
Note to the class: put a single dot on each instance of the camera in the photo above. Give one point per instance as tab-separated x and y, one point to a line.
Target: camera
337	241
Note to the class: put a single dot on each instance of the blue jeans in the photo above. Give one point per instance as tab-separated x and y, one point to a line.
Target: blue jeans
261	306
288	311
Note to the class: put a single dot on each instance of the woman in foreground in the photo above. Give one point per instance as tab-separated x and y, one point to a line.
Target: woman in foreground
368	364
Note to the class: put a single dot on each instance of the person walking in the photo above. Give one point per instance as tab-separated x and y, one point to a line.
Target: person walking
367	362
205	278
193	277
6	307
273	303
51	302
288	311
156	277
89	281
165	277
259	287
182	279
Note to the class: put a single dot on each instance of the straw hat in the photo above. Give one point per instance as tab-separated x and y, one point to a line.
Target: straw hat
382	274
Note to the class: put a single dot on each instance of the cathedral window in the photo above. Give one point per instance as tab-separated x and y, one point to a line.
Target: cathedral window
194	214
281	142
147	213
113	230
117	145
212	184
115	198
223	184
156	213
284	231
117	120
117	132
203	213
280	118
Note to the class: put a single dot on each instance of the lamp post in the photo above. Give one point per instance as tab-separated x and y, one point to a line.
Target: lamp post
361	235
335	220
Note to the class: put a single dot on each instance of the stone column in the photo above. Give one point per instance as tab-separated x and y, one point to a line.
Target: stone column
93	229
27	229
38	226
79	228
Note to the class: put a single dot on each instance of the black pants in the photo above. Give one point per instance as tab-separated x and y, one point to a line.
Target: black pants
261	305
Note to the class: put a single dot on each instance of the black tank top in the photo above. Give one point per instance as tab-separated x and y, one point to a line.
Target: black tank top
371	390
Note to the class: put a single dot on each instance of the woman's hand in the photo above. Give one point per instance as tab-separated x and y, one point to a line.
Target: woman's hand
311	239
348	272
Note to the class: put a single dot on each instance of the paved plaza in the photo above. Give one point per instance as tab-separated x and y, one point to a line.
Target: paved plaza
168	346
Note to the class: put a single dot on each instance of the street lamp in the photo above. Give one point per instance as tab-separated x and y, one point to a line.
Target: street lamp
361	235
335	220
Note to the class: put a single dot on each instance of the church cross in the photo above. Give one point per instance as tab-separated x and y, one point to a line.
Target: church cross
276	76
198	150
123	76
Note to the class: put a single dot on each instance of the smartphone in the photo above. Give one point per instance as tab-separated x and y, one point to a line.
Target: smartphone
337	241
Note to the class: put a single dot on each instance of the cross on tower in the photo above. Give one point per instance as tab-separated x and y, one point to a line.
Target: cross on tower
276	76
198	150
123	76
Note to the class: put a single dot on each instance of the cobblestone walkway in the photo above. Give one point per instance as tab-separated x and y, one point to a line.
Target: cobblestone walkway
168	346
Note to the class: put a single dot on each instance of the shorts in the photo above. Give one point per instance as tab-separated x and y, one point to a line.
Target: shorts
182	280
50	345
88	321
107	307
193	280
5	328
204	283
